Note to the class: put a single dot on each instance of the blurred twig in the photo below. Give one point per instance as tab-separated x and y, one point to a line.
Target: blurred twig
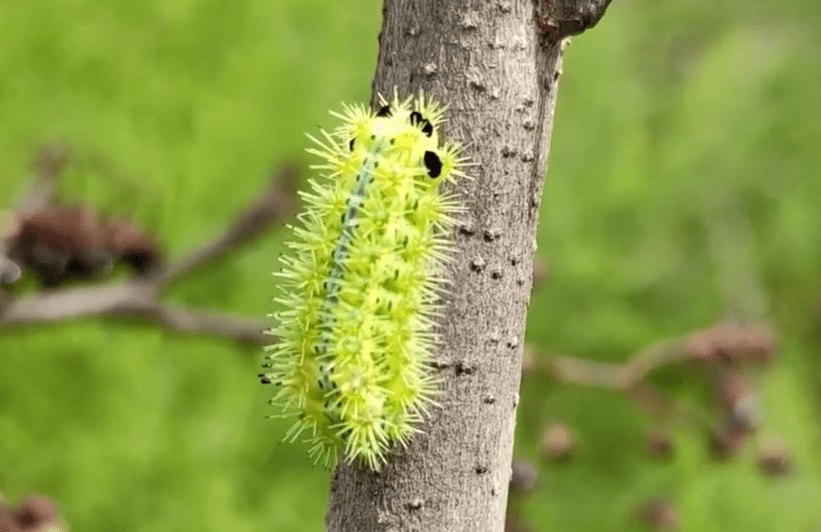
744	338
138	297
725	341
275	203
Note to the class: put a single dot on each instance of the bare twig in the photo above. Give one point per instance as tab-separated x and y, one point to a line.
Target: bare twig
724	342
179	319
274	205
137	298
131	299
575	370
725	353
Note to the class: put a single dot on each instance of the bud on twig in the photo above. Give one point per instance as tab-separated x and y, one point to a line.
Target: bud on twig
773	458
523	476
35	514
658	514
558	443
739	401
658	444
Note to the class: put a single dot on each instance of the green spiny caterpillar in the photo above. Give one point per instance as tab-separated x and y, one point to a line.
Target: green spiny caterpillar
360	290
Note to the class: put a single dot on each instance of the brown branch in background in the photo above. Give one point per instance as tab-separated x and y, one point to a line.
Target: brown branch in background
277	203
182	320
137	297
724	353
574	370
663	411
720	350
725	343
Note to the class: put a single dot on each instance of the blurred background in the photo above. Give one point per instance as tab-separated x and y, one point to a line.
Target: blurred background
683	189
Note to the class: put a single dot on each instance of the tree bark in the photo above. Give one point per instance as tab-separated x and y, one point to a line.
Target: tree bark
496	64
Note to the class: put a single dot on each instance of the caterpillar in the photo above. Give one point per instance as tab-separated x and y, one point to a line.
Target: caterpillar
360	289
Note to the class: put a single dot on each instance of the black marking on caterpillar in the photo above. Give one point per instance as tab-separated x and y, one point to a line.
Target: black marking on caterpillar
433	164
416	119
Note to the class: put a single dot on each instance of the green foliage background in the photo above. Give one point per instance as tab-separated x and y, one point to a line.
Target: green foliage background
669	115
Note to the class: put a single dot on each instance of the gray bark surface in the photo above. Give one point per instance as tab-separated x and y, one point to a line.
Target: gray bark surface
496	64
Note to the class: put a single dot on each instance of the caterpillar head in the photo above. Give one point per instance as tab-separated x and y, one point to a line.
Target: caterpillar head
410	127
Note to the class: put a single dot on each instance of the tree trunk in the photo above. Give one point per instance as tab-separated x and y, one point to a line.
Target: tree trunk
496	64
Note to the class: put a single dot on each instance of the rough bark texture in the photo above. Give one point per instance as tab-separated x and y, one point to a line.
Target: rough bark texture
496	64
